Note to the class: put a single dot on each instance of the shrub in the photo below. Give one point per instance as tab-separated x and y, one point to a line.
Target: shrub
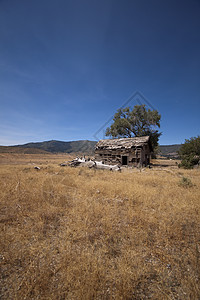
190	153
185	182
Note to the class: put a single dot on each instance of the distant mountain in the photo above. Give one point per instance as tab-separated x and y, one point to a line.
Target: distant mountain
169	150
83	146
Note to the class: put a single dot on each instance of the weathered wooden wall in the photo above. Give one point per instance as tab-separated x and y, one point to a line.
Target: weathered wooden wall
135	156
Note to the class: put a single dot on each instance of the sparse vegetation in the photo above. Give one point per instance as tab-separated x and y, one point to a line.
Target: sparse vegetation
76	233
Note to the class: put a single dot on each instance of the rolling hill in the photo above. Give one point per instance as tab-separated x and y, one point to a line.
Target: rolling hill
169	150
21	150
82	146
53	146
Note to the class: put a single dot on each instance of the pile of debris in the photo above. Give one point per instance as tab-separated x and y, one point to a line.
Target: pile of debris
82	162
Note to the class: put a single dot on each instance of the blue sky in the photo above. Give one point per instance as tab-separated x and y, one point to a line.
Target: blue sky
66	66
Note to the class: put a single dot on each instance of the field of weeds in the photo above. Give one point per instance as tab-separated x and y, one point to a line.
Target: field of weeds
76	233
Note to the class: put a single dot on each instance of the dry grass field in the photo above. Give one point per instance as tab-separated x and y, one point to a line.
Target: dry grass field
76	233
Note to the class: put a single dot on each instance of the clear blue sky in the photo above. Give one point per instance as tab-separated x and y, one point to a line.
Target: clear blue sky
66	66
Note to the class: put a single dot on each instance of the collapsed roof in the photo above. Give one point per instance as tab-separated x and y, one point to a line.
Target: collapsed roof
123	143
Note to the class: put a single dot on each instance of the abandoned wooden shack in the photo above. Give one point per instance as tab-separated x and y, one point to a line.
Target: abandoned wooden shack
134	151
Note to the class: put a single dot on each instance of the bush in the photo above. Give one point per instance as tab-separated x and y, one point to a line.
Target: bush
190	153
185	182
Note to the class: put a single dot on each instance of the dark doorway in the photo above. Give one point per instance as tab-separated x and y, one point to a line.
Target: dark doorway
146	160
124	160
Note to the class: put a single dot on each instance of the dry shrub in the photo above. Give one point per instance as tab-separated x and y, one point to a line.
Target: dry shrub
71	233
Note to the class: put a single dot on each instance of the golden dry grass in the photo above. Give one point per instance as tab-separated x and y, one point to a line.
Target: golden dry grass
76	233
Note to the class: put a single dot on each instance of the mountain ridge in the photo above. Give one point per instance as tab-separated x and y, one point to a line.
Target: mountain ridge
169	150
55	146
79	146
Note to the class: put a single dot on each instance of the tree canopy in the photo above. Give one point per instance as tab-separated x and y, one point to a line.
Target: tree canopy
139	121
190	152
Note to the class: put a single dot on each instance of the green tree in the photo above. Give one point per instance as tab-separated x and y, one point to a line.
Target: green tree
136	122
190	152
